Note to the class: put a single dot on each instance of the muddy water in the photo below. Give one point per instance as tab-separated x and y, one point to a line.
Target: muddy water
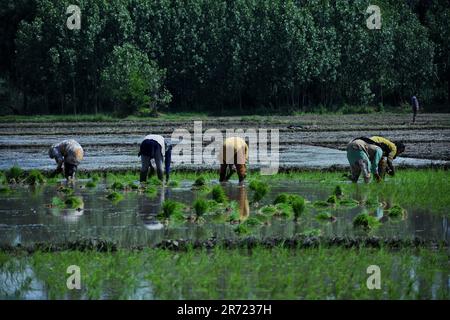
107	156
25	217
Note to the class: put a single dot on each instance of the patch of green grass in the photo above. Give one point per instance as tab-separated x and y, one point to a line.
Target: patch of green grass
218	194
365	221
260	189
115	196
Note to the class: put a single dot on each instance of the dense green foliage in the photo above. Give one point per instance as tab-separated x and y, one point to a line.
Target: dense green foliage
133	56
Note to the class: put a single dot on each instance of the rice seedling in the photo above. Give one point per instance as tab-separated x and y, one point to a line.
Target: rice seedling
314	232
65	190
242	229
173	183
199	182
117	186
58	203
321	204
252	222
325	216
365	221
218	194
91	184
281	198
269	210
14	174
298	207
154	181
171	210
338	192
74	202
115	196
34	177
284	210
260	190
396	211
132	186
200	207
332	199
5	189
348	203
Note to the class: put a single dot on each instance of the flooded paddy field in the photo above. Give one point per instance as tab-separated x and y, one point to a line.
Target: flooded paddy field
33	221
306	233
307	141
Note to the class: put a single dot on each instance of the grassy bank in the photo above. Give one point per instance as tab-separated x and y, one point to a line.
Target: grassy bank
232	274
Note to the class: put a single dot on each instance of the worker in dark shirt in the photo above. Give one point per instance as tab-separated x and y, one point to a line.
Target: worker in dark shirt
155	147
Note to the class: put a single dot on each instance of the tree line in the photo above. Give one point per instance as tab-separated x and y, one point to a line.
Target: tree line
220	56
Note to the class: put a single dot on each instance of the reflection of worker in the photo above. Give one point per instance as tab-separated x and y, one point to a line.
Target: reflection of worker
148	209
390	151
415	107
234	152
68	153
244	207
363	157
155	147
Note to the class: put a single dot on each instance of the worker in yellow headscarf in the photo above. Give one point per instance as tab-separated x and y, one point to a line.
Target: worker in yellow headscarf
234	152
390	151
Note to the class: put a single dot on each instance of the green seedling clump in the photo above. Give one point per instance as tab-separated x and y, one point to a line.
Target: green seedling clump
154	181
320	204
325	216
298	207
171	209
260	190
332	199
363	220
115	196
74	202
117	186
151	191
218	194
242	229
91	184
5	189
200	207
14	174
132	186
311	233
349	203
338	192
281	198
34	177
252	222
57	202
396	212
284	210
199	182
173	183
65	190
268	210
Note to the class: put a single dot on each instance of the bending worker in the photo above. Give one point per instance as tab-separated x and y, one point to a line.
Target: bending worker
234	152
68	153
390	151
364	157
155	147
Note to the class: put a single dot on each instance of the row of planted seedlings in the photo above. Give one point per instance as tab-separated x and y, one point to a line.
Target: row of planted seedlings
211	201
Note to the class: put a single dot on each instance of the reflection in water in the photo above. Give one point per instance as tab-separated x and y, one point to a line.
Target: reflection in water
149	208
244	206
